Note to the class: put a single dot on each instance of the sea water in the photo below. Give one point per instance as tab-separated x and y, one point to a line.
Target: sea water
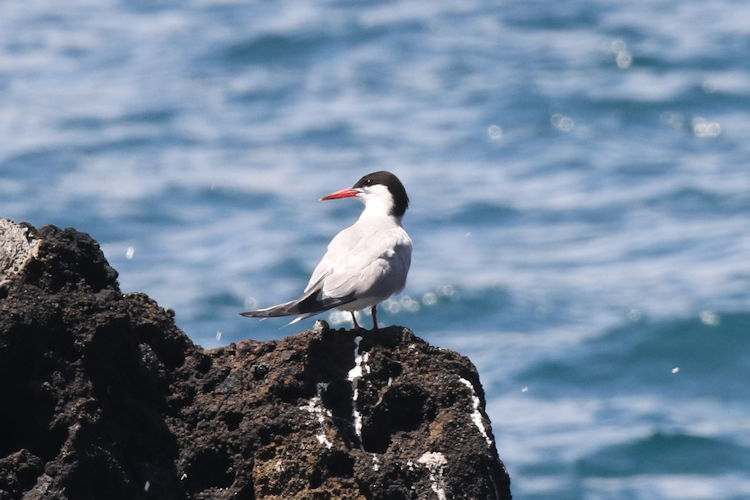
579	181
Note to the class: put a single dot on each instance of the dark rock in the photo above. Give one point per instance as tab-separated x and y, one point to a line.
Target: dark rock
104	397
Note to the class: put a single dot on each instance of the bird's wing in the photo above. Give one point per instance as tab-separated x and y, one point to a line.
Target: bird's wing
360	262
323	269
373	266
341	248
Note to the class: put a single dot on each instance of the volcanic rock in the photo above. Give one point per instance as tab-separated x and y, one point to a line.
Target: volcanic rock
103	396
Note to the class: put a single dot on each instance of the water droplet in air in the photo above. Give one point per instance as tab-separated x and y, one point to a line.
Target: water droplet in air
709	318
562	122
635	315
409	304
617	46
624	59
392	306
495	132
674	120
705	128
429	299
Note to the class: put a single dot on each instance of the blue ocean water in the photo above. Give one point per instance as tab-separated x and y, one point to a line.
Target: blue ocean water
578	174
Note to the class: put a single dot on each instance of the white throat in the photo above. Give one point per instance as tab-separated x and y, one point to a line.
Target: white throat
378	202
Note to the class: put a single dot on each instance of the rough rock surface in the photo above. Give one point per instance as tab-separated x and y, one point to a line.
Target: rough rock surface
104	397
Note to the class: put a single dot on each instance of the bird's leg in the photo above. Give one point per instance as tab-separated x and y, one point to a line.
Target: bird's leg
356	325
374	318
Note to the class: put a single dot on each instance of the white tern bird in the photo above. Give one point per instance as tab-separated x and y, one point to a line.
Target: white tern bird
365	263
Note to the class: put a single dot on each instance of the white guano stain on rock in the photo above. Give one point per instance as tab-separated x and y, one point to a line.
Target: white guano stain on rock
435	463
476	416
360	366
320	412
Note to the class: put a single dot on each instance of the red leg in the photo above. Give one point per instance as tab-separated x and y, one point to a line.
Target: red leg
356	325
374	318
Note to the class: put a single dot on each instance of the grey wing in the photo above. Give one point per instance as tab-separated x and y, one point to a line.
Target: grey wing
373	270
323	269
341	248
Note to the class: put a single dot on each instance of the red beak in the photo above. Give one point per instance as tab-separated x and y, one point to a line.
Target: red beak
344	193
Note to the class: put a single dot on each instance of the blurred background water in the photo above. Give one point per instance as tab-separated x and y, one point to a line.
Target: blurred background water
578	174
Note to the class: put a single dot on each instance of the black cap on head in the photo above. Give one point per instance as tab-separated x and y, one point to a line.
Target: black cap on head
387	179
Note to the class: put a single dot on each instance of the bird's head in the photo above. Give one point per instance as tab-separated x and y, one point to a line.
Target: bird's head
381	192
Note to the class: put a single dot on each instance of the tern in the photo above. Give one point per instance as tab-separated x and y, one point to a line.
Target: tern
365	263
